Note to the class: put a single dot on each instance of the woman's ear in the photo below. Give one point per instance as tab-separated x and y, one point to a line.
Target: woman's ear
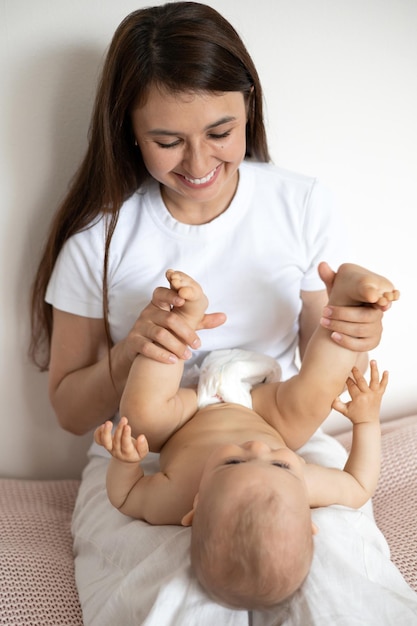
187	520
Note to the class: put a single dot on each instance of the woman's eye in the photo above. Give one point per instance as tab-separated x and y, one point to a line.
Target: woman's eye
168	145
281	464
220	136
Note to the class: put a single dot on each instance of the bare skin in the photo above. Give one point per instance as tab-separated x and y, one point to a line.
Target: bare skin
194	452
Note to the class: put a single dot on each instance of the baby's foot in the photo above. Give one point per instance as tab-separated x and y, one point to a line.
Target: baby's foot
196	302
355	285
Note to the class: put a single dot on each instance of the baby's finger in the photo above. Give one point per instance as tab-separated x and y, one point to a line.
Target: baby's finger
375	384
118	432
340	406
359	379
103	436
384	382
142	446
352	387
126	439
374	375
97	435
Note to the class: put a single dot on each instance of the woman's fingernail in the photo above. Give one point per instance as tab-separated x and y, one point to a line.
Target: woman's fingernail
196	343
336	337
327	311
172	358
324	322
187	355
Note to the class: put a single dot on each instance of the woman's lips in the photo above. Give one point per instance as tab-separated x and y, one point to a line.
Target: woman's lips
200	182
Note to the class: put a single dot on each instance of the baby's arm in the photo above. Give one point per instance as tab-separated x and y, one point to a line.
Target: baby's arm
124	470
161	498
364	461
356	483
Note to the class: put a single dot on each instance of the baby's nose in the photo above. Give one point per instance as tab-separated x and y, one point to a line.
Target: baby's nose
256	447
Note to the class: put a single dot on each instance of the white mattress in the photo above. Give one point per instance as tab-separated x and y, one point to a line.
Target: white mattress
129	573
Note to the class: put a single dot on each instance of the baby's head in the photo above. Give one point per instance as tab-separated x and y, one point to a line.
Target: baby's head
252	534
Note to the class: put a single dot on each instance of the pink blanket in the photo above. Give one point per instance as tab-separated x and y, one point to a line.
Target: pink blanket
37	585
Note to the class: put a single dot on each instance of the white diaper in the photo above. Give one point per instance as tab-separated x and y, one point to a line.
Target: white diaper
229	375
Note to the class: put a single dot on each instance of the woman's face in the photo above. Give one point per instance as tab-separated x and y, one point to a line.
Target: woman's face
193	144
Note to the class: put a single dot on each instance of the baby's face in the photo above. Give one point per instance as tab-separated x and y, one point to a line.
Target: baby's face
236	465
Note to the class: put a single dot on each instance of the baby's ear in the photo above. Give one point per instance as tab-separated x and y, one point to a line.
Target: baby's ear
187	520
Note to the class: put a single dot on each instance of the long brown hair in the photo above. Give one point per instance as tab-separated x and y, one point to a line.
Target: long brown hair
180	46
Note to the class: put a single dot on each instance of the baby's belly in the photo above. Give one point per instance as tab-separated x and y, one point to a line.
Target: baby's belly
223	423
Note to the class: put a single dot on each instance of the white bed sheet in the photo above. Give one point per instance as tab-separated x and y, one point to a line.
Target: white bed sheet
129	573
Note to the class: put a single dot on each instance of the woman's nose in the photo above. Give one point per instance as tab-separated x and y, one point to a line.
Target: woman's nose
197	160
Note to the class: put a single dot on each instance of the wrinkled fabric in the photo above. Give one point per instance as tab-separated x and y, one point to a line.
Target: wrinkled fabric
131	573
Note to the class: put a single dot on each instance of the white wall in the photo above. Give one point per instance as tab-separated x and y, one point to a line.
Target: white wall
341	90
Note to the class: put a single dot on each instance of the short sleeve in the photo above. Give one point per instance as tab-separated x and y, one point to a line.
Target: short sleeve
76	282
324	234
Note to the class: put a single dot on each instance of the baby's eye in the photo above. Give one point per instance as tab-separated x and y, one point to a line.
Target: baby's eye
233	461
281	464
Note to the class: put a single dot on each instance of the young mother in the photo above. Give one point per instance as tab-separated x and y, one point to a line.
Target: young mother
176	174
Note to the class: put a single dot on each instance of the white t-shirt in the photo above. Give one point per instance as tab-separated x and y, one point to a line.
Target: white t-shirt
252	261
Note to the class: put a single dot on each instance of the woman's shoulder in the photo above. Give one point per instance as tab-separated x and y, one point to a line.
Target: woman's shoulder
278	175
278	184
95	232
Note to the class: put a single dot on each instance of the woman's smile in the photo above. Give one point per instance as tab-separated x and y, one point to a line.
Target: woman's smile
201	182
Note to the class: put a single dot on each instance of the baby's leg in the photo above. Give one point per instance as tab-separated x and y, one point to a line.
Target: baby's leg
354	285
196	302
304	401
153	400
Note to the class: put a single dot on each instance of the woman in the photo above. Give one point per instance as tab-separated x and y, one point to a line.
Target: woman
176	174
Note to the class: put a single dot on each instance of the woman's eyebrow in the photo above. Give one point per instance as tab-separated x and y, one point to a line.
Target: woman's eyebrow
223	120
162	131
173	133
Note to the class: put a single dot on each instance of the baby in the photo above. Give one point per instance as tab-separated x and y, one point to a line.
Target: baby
231	471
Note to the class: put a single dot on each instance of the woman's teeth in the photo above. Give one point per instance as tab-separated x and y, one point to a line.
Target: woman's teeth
201	181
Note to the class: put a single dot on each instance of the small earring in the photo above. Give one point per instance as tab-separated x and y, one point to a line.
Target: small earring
136	143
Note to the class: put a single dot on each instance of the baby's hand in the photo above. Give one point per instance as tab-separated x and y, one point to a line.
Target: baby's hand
366	399
121	444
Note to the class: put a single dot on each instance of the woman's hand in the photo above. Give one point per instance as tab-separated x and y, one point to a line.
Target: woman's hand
357	328
163	336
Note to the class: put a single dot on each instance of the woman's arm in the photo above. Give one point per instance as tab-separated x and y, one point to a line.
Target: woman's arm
82	392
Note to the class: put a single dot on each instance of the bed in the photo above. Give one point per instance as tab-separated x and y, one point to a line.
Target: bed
37	584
